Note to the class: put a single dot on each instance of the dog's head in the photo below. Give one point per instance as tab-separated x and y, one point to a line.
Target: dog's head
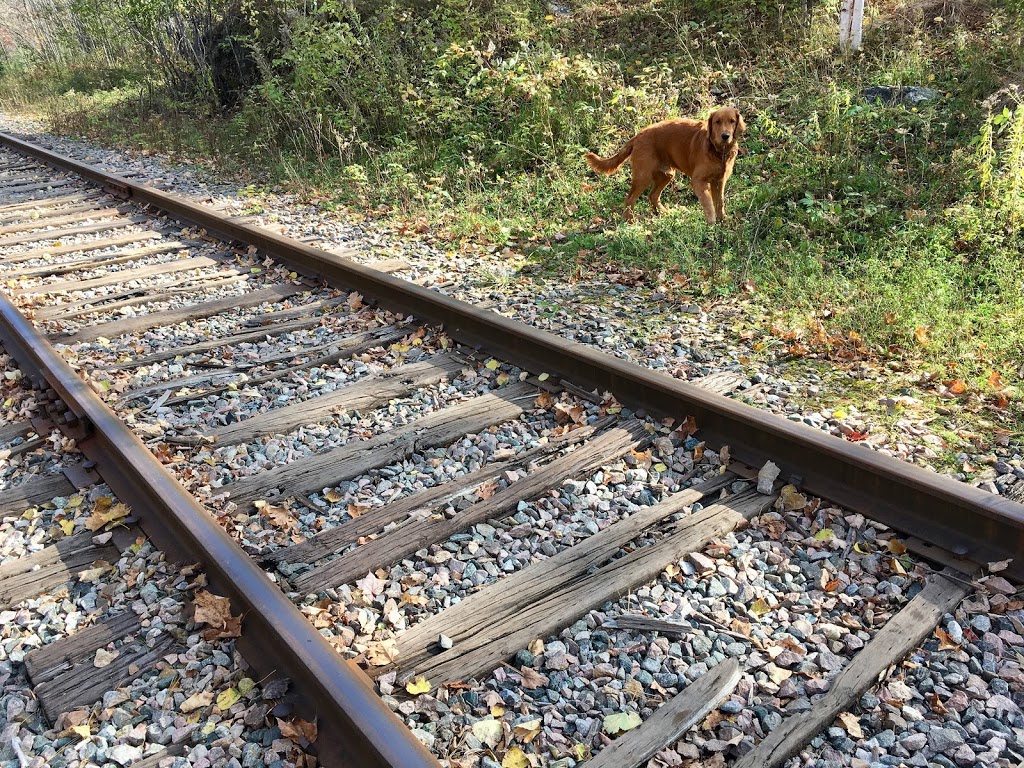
725	126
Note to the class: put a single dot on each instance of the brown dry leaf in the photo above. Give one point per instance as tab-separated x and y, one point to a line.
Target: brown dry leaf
215	611
544	400
532	679
957	387
355	510
298	730
995	380
712	721
487	490
851	723
897	547
111	514
633	688
536	647
280	517
790	498
937	706
921	335
832	586
382	653
689	426
945	641
569	413
527	731
354	301
410	599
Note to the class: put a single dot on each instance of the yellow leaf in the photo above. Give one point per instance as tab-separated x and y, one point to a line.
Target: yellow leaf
543	377
515	758
492	364
759	607
620	722
659	467
245	685
582	751
839	413
418	686
81	731
488	731
825	534
549	17
333	496
74	501
228	698
862	550
497	710
67	526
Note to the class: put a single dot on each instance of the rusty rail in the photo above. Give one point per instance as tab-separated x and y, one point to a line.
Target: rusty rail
356	728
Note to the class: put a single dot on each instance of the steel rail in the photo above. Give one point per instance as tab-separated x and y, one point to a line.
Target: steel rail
356	728
961	519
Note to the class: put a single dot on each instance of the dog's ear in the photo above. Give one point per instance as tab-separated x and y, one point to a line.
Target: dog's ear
741	125
711	120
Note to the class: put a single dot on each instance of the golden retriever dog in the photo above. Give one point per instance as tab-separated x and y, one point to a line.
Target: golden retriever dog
704	150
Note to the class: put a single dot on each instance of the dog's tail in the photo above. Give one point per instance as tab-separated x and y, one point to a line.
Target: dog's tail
610	164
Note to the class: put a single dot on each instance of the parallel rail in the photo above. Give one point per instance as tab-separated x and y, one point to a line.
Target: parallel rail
963	520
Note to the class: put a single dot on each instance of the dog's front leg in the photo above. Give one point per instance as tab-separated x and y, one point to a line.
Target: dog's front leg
718	196
703	191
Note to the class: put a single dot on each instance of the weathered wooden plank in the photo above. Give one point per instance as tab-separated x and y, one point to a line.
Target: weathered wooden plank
54	659
122	276
15	429
89	245
52	566
93	262
415	534
240	336
45	212
85	229
494	623
116	328
25	189
36	490
342	348
314	473
332	540
29	225
270	318
79	684
144	294
900	635
673	719
371	392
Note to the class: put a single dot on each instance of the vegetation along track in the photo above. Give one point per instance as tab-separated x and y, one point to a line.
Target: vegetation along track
289	398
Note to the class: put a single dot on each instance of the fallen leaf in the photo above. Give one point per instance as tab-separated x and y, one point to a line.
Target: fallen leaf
936	704
759	607
957	387
851	723
99	518
621	722
544	400
245	685
228	698
527	731
67	526
333	496
825	534
418	686
515	758
196	701
215	611
897	547
945	641
382	653
999	565
921	335
81	731
298	730
489	732
532	679
492	364
995	380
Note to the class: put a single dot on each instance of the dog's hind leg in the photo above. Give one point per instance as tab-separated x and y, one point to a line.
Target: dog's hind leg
661	180
703	192
636	189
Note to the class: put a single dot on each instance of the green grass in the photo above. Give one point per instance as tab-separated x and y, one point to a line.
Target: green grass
885	233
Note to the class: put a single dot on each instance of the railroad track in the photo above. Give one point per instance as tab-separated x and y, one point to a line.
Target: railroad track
401	493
